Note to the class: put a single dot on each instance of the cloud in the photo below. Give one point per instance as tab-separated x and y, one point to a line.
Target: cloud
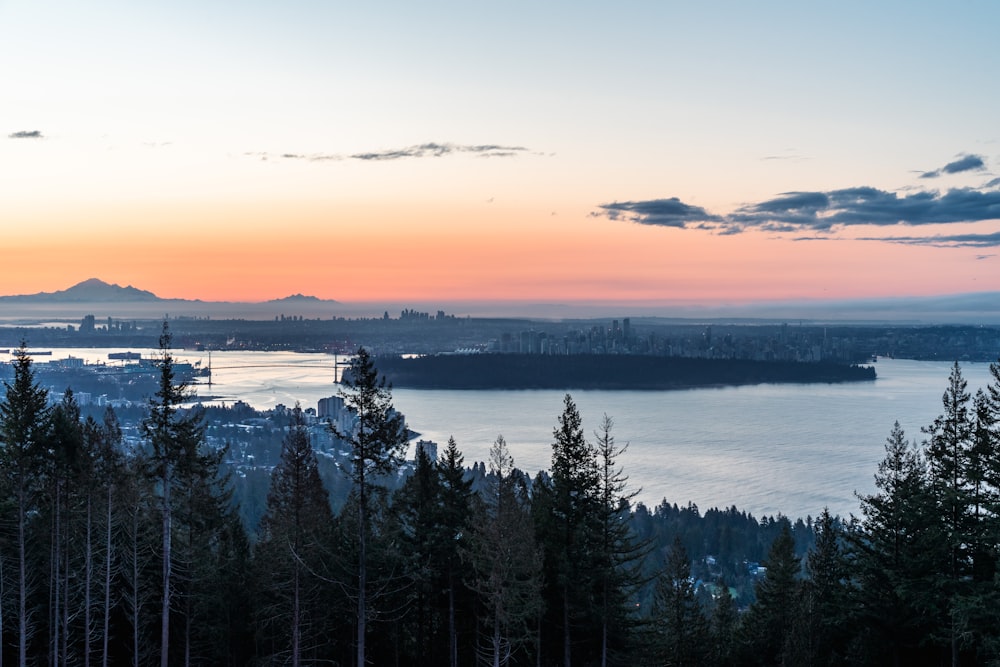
670	212
26	134
431	149
815	215
793	212
991	240
963	163
439	150
869	206
313	157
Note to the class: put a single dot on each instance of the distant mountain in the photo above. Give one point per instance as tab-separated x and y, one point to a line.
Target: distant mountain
98	291
302	299
91	291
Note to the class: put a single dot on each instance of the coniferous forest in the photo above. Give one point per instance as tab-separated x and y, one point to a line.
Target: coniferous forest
137	555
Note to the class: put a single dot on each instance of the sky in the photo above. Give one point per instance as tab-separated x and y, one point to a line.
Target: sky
559	152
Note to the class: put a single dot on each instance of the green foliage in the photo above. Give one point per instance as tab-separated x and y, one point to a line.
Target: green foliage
766	628
681	631
294	539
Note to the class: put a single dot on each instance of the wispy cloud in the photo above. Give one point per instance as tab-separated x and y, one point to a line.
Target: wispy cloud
427	150
814	215
963	163
991	240
25	134
439	150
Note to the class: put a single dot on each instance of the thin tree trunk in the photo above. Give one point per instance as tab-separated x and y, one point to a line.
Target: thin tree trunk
55	579
496	636
64	644
165	608
452	632
187	636
362	572
567	660
107	584
295	619
3	589
88	576
135	588
22	612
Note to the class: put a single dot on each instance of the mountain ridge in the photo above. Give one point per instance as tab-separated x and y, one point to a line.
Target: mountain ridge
95	290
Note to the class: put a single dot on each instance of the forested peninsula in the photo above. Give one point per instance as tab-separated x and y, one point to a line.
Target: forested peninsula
603	371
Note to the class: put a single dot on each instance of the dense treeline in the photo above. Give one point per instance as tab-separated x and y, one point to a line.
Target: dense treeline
604	371
131	556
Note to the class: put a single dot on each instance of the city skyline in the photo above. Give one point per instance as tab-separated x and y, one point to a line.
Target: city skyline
656	154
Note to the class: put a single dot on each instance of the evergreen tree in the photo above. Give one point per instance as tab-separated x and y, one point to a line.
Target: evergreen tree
896	552
569	524
193	502
293	536
377	443
767	623
418	507
24	429
620	554
506	561
104	443
681	638
823	628
949	455
722	625
456	507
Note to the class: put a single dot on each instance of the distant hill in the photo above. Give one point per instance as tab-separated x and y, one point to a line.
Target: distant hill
95	290
91	291
301	298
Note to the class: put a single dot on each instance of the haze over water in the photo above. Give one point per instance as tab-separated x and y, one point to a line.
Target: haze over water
793	449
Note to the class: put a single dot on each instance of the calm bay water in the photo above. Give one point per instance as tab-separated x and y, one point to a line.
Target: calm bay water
793	449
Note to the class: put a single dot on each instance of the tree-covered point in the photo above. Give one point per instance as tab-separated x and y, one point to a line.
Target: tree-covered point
123	547
604	371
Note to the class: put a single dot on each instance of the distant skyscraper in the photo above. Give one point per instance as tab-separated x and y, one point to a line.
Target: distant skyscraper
430	448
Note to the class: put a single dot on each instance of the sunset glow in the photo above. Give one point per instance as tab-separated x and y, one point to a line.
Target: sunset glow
651	154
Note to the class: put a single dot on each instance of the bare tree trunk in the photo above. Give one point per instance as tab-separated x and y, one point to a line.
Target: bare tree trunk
187	636
496	636
362	573
136	603
107	582
567	660
64	643
452	632
55	579
22	575
165	608
295	619
87	576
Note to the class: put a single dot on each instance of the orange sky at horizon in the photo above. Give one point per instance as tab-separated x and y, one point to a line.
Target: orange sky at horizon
464	253
484	155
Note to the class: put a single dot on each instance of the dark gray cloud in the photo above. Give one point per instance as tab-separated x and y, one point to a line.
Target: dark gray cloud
869	206
439	150
670	212
816	215
26	134
963	163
